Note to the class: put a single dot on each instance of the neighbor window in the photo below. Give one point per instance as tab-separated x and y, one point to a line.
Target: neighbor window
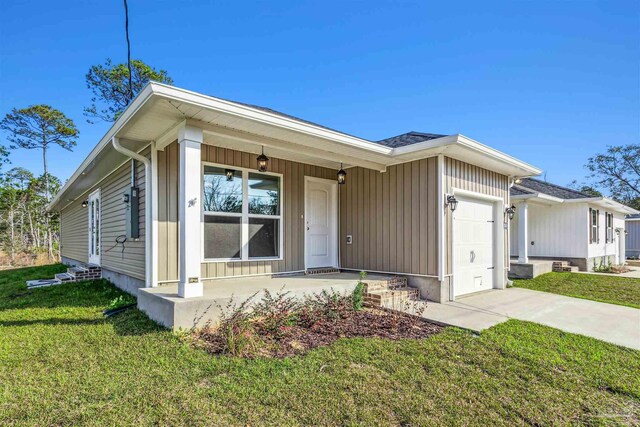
595	225
609	223
242	214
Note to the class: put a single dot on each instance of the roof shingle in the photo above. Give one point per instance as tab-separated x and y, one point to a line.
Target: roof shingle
408	138
537	186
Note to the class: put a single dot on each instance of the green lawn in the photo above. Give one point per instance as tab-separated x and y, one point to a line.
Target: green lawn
611	289
62	363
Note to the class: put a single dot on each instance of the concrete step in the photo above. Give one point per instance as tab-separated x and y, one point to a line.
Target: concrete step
41	283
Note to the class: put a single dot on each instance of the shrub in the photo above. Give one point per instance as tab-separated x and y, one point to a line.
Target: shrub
358	296
273	314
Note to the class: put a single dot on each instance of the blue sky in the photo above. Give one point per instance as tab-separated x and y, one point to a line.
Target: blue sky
550	82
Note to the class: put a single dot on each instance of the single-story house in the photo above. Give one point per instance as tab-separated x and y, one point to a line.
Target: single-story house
552	222
189	189
632	224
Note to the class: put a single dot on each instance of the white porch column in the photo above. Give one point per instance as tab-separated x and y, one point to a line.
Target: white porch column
190	141
622	246
523	233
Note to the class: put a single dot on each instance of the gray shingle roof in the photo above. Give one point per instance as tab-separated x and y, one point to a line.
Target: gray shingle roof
515	191
537	186
634	216
393	142
408	139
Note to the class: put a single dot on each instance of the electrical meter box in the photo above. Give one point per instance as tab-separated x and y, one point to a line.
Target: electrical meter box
132	215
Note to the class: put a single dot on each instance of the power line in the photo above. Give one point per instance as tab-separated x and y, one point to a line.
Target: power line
126	26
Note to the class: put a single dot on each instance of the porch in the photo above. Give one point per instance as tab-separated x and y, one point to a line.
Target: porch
164	305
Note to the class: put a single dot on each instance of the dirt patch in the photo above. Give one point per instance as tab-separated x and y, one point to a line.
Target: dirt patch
296	339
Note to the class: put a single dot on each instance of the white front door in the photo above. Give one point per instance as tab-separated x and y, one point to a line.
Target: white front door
321	223
94	227
473	246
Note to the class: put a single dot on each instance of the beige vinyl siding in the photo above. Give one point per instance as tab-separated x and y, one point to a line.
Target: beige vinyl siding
74	232
132	261
392	218
75	224
293	212
168	238
464	176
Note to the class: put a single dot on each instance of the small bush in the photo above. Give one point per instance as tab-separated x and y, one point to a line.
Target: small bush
273	314
358	296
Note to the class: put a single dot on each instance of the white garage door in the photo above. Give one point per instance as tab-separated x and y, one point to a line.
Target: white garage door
473	246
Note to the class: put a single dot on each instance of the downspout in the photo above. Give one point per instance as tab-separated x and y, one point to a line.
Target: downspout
148	247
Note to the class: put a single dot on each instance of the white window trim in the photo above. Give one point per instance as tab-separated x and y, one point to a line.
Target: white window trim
244	216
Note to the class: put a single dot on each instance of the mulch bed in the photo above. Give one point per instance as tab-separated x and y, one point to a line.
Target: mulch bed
297	340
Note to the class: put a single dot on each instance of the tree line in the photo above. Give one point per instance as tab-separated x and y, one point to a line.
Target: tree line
29	233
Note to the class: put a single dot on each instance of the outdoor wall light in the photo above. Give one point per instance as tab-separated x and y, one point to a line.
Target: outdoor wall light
511	211
263	161
229	173
452	202
85	203
342	175
518	180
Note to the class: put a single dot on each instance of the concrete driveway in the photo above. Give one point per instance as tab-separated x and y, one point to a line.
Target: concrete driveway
607	322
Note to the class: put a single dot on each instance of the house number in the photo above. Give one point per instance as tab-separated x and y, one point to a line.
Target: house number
193	280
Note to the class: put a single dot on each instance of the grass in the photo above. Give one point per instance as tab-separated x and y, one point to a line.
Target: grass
63	363
611	289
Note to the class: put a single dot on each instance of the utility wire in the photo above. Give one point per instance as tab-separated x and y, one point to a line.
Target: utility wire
126	26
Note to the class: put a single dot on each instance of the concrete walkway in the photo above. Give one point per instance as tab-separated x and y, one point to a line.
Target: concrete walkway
634	273
607	322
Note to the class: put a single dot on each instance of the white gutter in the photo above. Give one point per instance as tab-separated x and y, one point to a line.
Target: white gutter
149	269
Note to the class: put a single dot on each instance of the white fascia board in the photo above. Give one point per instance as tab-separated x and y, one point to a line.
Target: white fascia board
124	118
605	202
210	102
419	150
537	196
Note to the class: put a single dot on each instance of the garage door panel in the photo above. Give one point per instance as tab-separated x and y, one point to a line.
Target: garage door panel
473	241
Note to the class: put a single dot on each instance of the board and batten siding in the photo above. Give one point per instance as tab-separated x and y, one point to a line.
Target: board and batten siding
392	218
556	231
465	176
633	238
293	174
75	224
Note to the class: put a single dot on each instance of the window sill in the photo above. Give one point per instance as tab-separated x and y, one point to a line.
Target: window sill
219	260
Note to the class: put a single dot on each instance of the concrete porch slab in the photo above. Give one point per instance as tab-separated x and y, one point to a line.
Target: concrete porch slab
163	304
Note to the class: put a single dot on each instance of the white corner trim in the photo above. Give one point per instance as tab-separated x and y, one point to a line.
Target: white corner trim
440	206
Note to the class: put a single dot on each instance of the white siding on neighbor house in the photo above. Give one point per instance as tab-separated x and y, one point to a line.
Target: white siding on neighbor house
602	248
633	238
556	231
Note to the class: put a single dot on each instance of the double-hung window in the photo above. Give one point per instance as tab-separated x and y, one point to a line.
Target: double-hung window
594	225
609	220
241	214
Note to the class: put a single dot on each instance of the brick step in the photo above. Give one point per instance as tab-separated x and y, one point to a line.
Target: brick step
322	270
65	277
73	274
571	269
388	284
84	273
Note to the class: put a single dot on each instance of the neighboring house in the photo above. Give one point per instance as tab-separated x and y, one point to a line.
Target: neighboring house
202	210
558	223
633	235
